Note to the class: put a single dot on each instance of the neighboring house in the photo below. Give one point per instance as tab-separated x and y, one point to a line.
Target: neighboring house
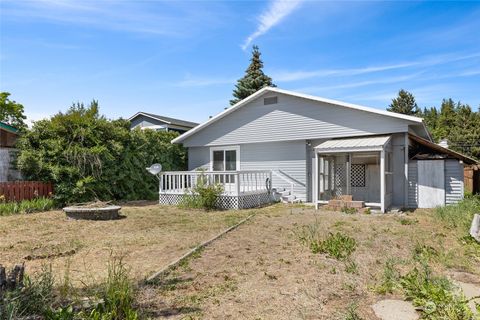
314	149
8	138
145	120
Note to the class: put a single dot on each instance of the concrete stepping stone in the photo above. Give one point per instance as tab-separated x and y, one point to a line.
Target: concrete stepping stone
470	290
395	310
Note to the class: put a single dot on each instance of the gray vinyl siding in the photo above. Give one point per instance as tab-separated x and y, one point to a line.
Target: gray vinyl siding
198	158
292	118
398	154
453	181
412	184
288	156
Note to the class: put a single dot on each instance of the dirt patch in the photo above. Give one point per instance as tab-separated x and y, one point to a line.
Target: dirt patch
149	237
262	270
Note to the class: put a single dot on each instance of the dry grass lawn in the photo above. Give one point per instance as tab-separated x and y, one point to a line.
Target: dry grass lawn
263	271
148	237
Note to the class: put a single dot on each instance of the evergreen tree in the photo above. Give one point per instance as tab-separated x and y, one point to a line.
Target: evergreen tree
404	103
253	80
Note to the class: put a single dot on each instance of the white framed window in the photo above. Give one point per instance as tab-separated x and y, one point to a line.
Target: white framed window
225	158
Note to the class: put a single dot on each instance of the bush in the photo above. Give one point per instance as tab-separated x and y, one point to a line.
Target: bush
26	206
203	196
90	157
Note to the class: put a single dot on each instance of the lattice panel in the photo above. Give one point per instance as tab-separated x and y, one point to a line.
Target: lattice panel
358	175
340	179
254	200
224	202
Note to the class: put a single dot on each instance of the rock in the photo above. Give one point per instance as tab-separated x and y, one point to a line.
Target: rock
475	228
395	310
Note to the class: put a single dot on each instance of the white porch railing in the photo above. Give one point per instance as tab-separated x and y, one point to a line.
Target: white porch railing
234	183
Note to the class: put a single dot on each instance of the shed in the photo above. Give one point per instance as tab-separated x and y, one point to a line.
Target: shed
435	174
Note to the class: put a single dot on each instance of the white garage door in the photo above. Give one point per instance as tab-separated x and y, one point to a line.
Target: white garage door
431	183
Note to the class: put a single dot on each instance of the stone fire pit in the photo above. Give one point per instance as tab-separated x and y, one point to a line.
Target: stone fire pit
108	212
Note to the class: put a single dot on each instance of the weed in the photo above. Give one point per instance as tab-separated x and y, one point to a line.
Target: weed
348	210
32	298
434	296
408	222
459	215
351	313
351	267
336	245
422	252
390	278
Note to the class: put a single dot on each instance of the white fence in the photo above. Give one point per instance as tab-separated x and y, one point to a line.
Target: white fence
234	183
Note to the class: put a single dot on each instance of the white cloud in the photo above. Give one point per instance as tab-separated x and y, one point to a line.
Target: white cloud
275	13
286	76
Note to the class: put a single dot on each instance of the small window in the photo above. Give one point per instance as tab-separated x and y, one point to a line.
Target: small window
270	100
358	175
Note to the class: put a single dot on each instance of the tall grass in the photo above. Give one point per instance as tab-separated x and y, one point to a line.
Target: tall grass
459	215
26	206
38	298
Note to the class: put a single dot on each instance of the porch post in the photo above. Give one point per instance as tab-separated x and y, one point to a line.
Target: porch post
382	180
348	172
315	181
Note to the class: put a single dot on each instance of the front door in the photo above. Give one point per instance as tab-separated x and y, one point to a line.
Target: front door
431	183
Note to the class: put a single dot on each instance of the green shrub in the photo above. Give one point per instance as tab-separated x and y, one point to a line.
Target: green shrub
459	215
88	156
434	296
203	196
26	206
338	246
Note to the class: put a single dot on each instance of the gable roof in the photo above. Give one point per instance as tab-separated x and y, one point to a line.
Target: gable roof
238	105
167	120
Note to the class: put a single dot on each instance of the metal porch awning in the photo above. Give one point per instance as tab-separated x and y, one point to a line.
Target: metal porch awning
376	143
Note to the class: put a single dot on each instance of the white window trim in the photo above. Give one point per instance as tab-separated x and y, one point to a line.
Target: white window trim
225	148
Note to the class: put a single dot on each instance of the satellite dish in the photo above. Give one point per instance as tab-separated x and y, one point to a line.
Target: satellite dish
155	169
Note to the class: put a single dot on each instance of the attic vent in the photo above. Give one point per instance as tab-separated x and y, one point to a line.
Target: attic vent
270	100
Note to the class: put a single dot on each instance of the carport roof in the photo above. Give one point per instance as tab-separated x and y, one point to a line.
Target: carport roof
353	144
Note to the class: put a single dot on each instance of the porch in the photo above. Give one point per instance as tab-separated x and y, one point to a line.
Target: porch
357	168
241	189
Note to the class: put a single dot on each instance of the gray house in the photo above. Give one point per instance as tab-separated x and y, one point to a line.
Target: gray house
312	149
152	121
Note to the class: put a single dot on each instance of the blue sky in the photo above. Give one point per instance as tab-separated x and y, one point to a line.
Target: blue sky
182	59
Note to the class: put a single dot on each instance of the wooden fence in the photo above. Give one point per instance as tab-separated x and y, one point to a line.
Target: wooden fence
25	190
471	176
